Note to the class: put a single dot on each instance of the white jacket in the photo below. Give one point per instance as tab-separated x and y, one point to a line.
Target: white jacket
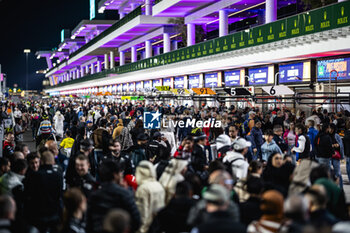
239	165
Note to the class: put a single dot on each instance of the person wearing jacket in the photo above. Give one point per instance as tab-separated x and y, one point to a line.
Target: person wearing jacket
150	195
338	146
303	146
43	190
323	147
100	137
312	133
236	160
346	143
138	152
157	150
173	174
8	146
110	196
198	158
257	139
269	147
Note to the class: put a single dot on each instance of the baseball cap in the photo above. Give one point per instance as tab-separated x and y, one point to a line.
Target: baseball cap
217	194
142	137
240	144
222	141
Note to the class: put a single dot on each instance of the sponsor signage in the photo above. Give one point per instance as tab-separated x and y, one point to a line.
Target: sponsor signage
291	73
193	81
258	76
232	78
329	68
211	80
179	82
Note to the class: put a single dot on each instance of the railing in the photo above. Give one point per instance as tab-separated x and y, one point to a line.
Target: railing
319	20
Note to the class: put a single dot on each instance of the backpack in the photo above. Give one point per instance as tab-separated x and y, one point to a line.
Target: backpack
228	168
245	127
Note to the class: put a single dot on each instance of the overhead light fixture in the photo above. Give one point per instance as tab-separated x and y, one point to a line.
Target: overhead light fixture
38	57
59	49
72	37
26	51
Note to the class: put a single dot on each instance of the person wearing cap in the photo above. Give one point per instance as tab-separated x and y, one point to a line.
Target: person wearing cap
236	158
219	218
198	158
223	145
156	150
89	128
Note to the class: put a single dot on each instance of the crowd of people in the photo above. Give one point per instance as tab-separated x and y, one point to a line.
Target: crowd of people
97	168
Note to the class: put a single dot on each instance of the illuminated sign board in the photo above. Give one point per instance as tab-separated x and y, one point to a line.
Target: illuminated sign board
327	68
167	82
179	82
139	86
211	80
291	73
193	81
92	9
232	78
157	82
120	87
62	35
258	76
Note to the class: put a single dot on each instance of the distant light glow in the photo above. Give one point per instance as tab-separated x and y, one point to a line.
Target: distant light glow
26	51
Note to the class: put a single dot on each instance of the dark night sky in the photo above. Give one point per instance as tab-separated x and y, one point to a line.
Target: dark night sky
34	24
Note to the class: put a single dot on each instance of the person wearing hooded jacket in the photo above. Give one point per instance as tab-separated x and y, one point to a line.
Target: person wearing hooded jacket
236	158
173	174
269	147
150	195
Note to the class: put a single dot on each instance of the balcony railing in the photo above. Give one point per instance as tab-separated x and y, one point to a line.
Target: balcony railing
319	20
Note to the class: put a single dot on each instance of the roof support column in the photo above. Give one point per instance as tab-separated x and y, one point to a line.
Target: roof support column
148	48
98	67
87	70
92	68
148	5
111	57
133	54
223	23
82	72
106	62
121	15
166	42
77	73
121	58
191	34
174	45
271	11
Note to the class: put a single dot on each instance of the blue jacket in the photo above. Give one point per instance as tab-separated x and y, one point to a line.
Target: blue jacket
257	137
268	149
312	133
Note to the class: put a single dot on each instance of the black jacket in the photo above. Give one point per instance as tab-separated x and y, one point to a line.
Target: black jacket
346	142
43	191
323	145
198	158
221	221
72	174
250	210
158	151
87	184
173	218
281	143
125	161
110	196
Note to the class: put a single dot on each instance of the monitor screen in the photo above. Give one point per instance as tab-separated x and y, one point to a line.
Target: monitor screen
232	78
258	76
327	68
139	86
157	82
291	73
193	81
211	80
167	82
180	82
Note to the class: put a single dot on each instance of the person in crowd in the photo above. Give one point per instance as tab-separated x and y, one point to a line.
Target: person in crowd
8	145
219	219
312	133
150	195
173	217
58	120
5	165
156	149
338	154
122	157
117	221
233	131
198	158
73	213
138	152
320	217
235	159
290	138
23	148
346	143
303	146
45	130
11	182
110	196
137	130
44	191
269	147
296	210
33	160
249	123
272	213
60	159
67	143
100	137
277	137
173	174
250	208
7	214
19	131
118	130
257	139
